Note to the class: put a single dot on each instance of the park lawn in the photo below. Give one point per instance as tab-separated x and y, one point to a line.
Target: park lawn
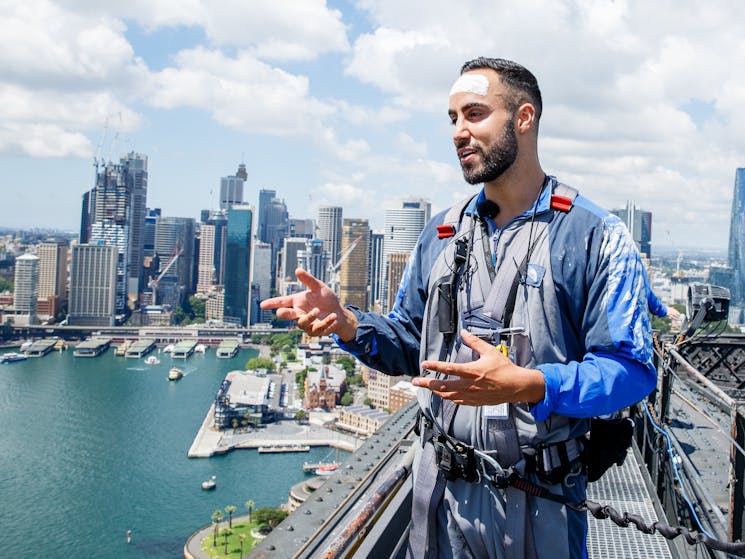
234	543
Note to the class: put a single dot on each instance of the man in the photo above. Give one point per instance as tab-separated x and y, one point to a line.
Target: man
524	311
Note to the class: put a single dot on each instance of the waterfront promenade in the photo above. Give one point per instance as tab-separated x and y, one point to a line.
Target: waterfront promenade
209	442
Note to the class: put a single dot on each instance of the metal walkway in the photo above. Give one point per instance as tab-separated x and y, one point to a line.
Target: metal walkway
624	489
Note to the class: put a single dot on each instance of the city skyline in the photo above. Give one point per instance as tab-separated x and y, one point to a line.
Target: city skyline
349	109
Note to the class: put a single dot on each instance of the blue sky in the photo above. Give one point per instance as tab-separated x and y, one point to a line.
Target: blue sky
346	102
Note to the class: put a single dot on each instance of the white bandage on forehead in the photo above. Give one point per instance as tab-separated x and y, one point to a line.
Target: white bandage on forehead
471	83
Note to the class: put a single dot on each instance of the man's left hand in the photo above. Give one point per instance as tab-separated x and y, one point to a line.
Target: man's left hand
490	380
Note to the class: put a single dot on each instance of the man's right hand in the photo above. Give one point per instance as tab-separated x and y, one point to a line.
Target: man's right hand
317	309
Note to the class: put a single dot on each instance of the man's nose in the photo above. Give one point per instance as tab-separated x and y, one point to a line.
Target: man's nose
461	132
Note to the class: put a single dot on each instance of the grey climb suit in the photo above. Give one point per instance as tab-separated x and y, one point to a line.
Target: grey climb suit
581	308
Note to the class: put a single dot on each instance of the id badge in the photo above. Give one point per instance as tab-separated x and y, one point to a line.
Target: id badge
500	411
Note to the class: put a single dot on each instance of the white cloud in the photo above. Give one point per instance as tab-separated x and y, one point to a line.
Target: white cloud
278	30
339	194
241	92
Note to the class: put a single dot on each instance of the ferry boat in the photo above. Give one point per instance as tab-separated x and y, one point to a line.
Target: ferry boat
152	360
12	357
175	373
27	344
169	348
200	348
122	348
209	484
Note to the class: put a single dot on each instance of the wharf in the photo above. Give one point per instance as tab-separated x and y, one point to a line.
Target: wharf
41	347
209	442
140	349
184	349
92	347
228	349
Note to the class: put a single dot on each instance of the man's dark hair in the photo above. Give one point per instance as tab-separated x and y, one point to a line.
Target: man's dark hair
521	83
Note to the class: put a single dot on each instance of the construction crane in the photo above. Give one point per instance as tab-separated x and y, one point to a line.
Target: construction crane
332	272
153	283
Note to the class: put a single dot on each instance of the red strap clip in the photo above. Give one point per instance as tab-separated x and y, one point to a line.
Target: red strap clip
445	231
561	203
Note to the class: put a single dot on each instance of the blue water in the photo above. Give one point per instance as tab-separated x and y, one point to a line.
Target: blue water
91	448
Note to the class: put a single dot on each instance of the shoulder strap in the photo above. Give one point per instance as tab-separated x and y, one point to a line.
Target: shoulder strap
562	198
453	218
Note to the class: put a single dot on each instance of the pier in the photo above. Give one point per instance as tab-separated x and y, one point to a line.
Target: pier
228	349
92	348
41	347
140	349
184	349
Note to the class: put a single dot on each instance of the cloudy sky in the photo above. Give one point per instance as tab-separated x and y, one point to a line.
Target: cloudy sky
345	102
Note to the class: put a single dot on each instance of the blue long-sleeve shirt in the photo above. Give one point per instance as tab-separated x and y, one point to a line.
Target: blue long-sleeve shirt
601	288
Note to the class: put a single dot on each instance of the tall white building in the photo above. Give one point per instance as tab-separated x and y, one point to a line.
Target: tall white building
93	283
330	230
206	273
261	283
402	227
26	289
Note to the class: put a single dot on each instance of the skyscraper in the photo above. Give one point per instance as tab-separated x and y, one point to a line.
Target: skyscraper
174	246
737	238
238	265
52	278
93	282
376	270
639	224
26	289
265	197
276	222
231	188
114	215
261	284
206	265
329	230
396	265
402	226
315	259
353	271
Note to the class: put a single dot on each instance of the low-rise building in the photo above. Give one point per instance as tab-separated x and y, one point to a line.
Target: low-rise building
361	420
242	399
401	394
325	387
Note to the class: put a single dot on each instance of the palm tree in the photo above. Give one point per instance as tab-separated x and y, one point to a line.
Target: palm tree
230	509
227	532
216	518
250	506
242	538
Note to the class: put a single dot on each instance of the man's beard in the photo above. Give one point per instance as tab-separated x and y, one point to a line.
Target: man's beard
499	158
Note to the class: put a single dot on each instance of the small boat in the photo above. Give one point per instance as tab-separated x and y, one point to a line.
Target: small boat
152	360
12	357
61	345
200	348
175	373
169	348
210	484
27	344
326	469
122	349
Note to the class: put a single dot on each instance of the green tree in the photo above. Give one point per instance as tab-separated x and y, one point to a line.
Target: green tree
270	516
197	307
260	363
355	380
241	539
226	533
347	399
348	363
230	509
216	518
250	506
6	285
301	415
367	402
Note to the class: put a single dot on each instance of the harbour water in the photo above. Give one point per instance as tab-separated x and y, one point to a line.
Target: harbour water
91	448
